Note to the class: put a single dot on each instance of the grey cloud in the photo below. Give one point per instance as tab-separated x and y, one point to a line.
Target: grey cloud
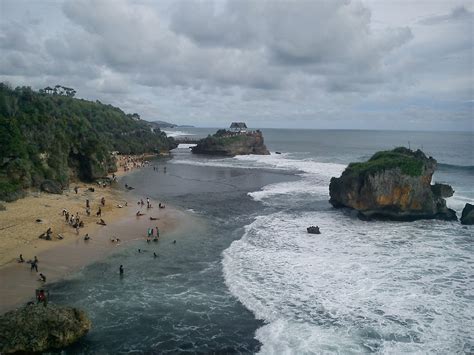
460	13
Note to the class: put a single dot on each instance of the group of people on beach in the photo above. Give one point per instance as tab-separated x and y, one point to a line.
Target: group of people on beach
129	162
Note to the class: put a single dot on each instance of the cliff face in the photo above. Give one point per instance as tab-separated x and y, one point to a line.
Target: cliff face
393	185
226	143
60	138
35	328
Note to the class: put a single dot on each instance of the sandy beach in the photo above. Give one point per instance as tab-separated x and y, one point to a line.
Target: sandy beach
26	219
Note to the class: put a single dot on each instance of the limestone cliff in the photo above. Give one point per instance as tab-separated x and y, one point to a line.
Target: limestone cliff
393	185
36	328
227	143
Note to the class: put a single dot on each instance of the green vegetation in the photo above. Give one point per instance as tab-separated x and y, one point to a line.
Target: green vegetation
55	136
410	163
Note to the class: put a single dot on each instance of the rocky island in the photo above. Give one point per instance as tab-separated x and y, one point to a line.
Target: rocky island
230	143
393	185
36	328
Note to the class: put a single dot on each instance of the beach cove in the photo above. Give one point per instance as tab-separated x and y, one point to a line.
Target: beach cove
26	219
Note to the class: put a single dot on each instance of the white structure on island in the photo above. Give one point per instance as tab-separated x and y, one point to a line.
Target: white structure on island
239	127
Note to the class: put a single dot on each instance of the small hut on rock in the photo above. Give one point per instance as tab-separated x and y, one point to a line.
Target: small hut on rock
239	127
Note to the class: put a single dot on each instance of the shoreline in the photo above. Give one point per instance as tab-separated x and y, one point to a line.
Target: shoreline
19	233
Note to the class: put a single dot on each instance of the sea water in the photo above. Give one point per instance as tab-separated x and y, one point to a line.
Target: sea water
245	277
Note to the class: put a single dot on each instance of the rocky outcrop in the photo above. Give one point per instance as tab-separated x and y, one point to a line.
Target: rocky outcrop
226	143
393	185
51	186
313	230
467	216
36	328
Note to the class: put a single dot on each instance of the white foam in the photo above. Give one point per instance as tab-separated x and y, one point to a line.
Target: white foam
359	286
177	133
457	202
185	145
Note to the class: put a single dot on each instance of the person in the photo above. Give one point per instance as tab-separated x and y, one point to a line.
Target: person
139	213
102	222
121	269
102	201
86	237
157	232
76	189
139	251
88	211
154	255
99	212
42	278
174	241
34	265
88	203
41	297
20	259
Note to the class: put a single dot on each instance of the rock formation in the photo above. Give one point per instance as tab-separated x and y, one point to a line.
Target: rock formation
393	185
36	328
227	143
313	230
51	187
467	216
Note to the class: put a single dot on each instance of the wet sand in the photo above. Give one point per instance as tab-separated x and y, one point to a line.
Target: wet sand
18	282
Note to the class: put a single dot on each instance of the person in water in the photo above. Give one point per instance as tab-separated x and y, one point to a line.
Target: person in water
34	265
154	255
121	269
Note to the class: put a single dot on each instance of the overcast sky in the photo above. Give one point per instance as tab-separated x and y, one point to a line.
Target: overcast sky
376	64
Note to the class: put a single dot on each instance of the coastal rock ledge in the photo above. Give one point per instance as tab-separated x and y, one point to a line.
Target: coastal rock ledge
228	143
394	185
35	328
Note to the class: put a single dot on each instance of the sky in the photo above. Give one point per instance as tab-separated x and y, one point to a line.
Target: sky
323	64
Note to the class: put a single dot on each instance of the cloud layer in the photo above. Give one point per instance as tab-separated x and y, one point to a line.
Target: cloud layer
320	64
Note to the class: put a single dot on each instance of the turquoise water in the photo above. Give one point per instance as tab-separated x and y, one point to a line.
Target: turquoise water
245	277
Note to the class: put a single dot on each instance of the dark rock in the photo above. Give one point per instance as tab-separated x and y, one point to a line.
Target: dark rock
442	190
10	196
51	186
467	216
313	230
227	143
394	185
36	328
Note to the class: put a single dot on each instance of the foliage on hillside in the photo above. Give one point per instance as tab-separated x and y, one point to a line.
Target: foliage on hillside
44	136
410	163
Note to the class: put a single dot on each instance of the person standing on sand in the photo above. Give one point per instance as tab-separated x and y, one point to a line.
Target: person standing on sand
20	259
76	189
102	201
87	203
99	213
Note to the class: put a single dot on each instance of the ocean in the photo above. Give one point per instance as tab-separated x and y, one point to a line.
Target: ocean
245	277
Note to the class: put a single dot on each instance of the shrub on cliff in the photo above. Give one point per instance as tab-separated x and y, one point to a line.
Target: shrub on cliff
409	162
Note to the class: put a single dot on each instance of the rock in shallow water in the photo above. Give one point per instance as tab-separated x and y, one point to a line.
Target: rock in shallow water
467	216
35	328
